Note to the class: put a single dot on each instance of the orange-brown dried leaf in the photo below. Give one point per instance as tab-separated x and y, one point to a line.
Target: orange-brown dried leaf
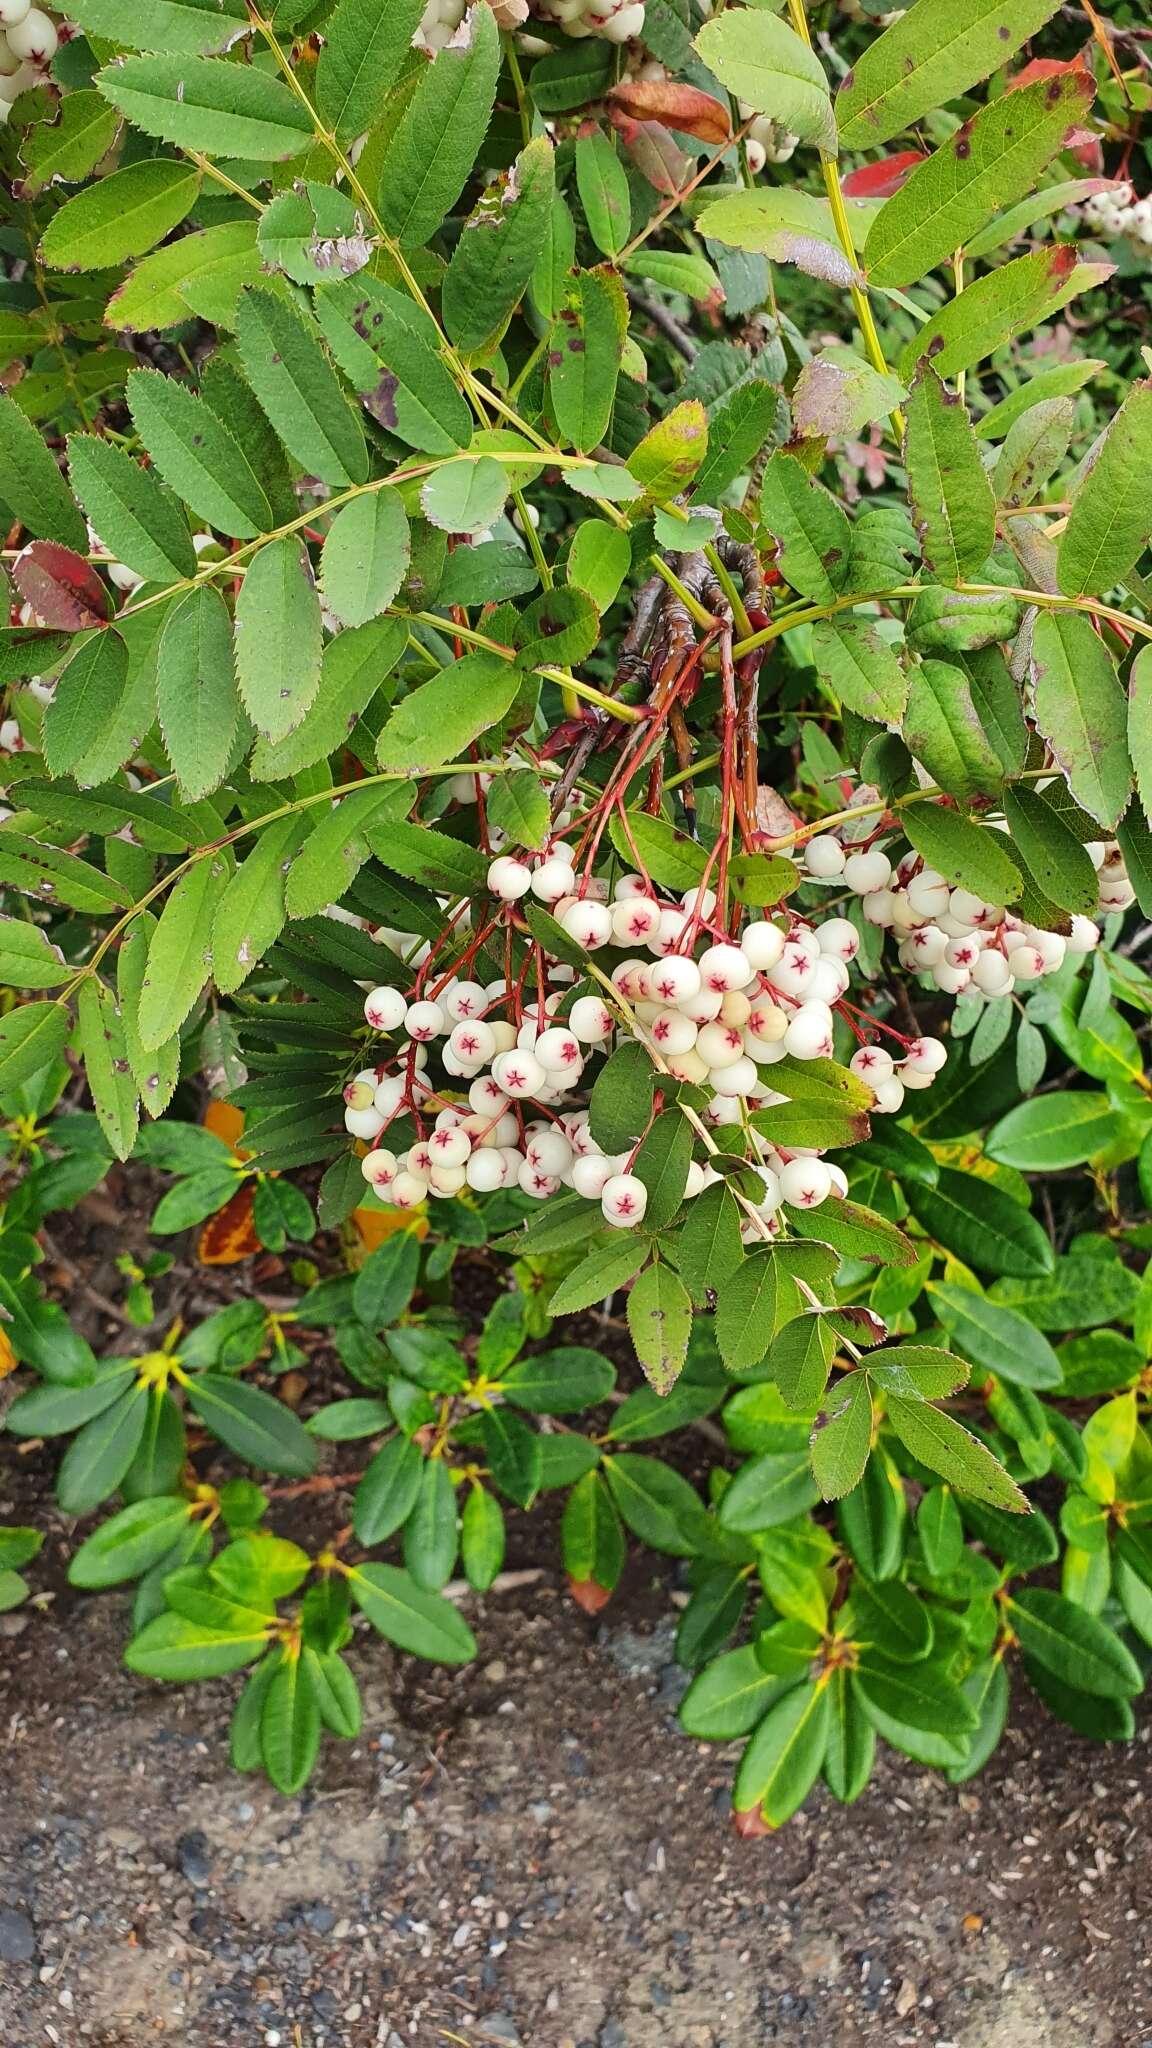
589	1595
678	106
230	1235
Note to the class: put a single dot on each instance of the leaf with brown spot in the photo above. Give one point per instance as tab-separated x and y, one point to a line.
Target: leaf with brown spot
230	1235
62	588
678	106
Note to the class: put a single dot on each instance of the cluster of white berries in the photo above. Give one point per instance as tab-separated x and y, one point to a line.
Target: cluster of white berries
618	21
28	42
856	12
962	944
715	1012
440	21
1119	212
767	142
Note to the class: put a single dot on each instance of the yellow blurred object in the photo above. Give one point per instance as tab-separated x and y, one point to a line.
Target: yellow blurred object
374	1225
224	1121
8	1359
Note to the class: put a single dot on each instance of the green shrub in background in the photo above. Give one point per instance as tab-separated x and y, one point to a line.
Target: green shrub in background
576	657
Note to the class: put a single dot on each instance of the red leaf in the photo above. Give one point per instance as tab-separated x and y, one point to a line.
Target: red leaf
678	106
588	1595
1049	67
62	588
750	1824
880	181
655	153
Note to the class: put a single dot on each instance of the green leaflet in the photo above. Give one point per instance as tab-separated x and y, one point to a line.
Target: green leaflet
768	65
995	1336
366	48
260	1429
87	695
34	490
783	1759
951	498
153	293
353	668
182	27
660	1324
68	148
1060	381
811	529
1081	710
292	377
120	216
105	1053
860	667
337	847
1140	725
155	1073
441	132
204	104
592	1541
137	518
929	55
990	161
195	453
840	1449
1110	519
366	557
252	910
387	348
604	193
465	497
438	720
942	1444
180	956
584	356
1033	449
196	696
278	638
1005	302
1050	851
499	247
31	1036
290	1725
1055	1131
942	729
28	959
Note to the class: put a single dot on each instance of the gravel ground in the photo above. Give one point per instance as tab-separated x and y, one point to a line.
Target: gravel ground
529	1852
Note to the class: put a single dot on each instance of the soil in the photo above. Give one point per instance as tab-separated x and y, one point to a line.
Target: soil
529	1851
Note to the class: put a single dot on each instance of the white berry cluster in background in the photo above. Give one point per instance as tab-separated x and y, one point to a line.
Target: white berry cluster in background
28	43
767	141
618	21
963	945
715	1011
1119	212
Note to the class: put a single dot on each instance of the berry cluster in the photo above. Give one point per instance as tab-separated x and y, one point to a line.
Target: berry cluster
712	1010
1119	212
962	944
618	21
28	42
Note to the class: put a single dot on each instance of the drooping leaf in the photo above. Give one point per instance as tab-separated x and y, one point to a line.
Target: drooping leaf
34	490
87	695
366	48
106	1064
810	528
584	356
440	134
860	668
951	498
180	955
1110	519
438	720
1081	710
